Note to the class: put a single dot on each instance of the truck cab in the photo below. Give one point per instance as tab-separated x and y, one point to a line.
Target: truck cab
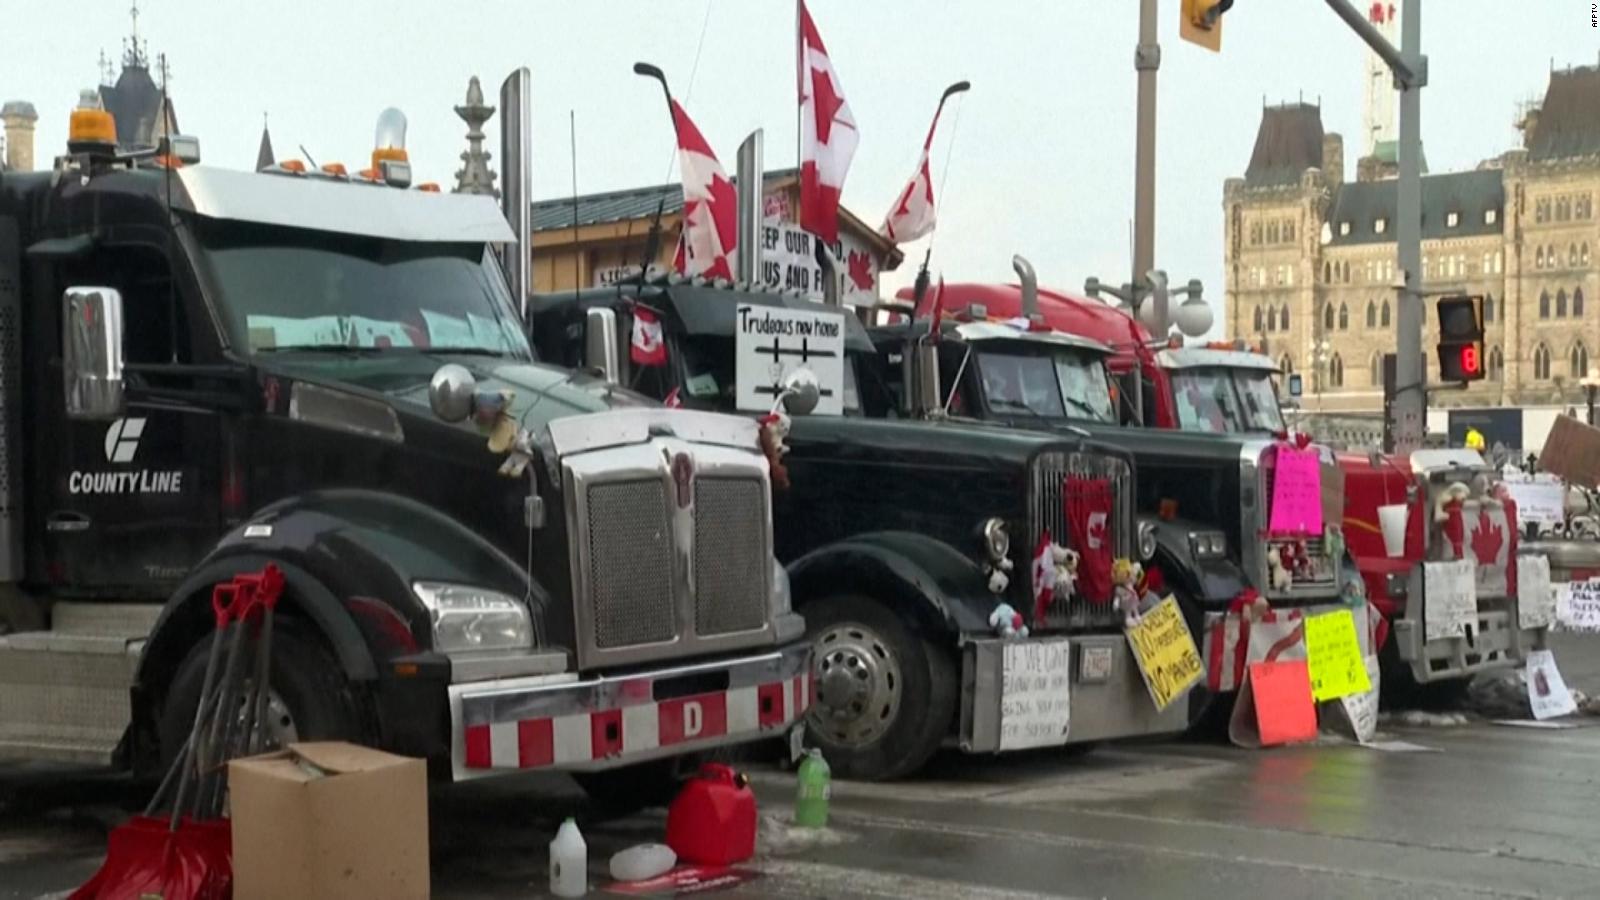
491	562
910	544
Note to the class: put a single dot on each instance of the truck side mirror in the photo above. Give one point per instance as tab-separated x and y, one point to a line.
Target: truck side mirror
91	341
451	392
600	342
926	398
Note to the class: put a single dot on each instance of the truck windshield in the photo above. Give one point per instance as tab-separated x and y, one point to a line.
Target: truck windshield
1226	400
1048	385
281	289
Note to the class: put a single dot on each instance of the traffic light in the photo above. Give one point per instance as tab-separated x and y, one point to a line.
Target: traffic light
1461	338
1202	22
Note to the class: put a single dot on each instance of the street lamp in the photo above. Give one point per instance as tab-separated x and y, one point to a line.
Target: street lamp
1194	316
1591	385
1321	352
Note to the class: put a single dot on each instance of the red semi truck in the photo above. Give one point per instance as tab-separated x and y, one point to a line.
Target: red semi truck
1454	512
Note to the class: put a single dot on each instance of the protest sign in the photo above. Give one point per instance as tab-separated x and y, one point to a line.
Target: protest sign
1547	693
1536	599
1035	704
1333	654
1449	599
1578	606
1361	710
1541	499
1274	706
1296	493
1572	451
1166	652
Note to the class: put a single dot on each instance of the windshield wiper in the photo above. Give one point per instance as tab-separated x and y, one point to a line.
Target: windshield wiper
1000	404
328	348
1085	406
467	351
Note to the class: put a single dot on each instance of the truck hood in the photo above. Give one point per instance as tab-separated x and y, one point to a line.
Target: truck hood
920	442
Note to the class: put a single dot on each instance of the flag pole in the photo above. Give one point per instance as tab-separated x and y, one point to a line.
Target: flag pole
653	241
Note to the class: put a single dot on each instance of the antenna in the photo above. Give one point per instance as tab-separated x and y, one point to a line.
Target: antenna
307	154
577	260
171	162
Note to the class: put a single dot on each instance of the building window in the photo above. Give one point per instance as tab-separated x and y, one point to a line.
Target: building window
1380	225
1583	207
1255	233
1583	254
1544	304
1538	258
1327	317
1451	220
1336	371
1344	229
1372	314
1286	364
1344	317
1572	255
1541	210
1577	303
1384	315
1578	360
1375	369
1260	319
1541	363
1497	364
1488	307
1283	318
1272	318
1497	259
1327	273
1344	271
1288	230
1561	303
1563	209
1490	216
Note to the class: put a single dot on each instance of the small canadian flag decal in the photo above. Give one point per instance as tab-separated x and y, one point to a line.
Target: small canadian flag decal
647	348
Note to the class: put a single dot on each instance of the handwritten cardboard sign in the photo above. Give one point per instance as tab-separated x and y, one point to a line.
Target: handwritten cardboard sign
1541	498
1297	493
1165	650
1333	653
1361	710
1035	700
1275	706
1547	692
1449	599
1536	599
1578	607
1572	451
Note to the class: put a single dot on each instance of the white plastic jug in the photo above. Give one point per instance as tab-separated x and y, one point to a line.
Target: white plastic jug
642	861
569	862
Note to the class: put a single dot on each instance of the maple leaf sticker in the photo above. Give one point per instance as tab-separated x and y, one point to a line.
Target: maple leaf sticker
1486	540
860	270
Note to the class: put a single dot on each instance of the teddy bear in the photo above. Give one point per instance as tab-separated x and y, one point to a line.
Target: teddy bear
774	429
1065	560
1455	493
1125	575
999	576
1278	576
1007	622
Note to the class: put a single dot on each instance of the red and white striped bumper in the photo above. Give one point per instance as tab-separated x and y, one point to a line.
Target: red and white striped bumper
566	722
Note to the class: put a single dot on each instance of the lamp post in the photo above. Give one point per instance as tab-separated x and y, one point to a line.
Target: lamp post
1321	352
1591	386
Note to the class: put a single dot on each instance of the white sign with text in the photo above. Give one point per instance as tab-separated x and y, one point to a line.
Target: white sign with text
772	341
1536	599
1449	599
1035	698
1578	606
789	263
1548	696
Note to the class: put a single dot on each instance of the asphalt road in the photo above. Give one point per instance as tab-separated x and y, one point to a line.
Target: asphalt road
1485	811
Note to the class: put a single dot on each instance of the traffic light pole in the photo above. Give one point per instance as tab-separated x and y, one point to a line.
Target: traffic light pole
1146	61
1410	70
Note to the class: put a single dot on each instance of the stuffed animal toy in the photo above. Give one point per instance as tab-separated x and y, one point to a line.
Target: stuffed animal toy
1455	493
1278	576
1000	576
1066	563
1007	622
1125	575
774	429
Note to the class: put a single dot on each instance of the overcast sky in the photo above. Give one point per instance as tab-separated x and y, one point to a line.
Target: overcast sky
1043	144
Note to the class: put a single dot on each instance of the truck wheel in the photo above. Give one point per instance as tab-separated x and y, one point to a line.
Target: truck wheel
1399	689
618	792
310	699
884	695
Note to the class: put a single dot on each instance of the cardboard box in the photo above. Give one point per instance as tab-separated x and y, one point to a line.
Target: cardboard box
1572	451
329	820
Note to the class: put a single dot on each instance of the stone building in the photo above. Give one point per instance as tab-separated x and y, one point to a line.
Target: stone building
1309	259
18	117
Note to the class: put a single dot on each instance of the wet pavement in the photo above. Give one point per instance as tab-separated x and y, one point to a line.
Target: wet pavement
1485	810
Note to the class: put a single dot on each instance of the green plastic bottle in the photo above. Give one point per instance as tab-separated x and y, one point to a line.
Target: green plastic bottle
815	785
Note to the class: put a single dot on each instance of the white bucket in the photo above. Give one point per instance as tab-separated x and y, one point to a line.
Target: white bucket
1392	519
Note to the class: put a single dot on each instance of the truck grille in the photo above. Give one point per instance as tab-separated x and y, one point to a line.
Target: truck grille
630	563
1047	511
729	555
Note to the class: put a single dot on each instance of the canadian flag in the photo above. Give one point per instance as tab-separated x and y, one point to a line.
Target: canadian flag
1044	578
646	348
912	215
828	135
710	206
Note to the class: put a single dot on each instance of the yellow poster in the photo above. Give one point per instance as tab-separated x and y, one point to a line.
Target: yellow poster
1167	655
1333	650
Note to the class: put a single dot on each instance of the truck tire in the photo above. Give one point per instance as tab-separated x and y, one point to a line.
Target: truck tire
311	699
885	696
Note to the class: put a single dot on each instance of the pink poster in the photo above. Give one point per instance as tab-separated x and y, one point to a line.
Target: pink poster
1297	493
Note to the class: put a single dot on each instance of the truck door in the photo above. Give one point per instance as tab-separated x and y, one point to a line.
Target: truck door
130	504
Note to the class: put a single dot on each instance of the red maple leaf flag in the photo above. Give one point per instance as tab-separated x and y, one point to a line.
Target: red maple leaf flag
913	213
1088	506
1486	540
828	135
1044	577
646	348
710	206
860	267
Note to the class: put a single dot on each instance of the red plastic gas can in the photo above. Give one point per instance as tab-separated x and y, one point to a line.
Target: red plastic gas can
712	821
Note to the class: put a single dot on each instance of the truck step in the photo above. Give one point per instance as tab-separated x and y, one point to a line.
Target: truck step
64	692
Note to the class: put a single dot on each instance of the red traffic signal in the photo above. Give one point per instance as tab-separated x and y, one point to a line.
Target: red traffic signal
1460	338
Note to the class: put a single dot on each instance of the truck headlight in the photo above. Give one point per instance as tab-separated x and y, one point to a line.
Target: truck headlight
782	599
467	618
996	539
1147	541
1208	544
